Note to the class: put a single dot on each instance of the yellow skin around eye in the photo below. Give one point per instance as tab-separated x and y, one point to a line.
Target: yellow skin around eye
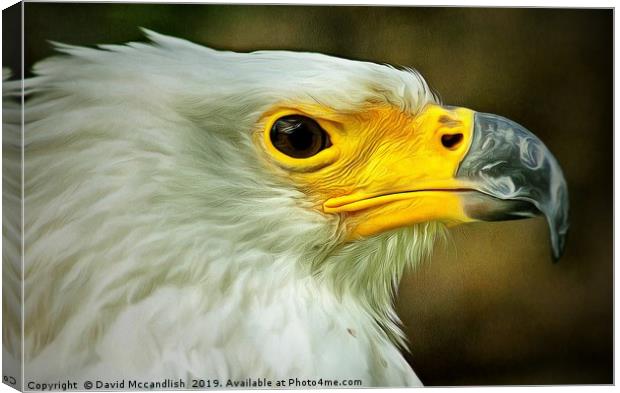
385	169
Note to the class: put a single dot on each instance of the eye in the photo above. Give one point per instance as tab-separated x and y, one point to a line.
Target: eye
298	136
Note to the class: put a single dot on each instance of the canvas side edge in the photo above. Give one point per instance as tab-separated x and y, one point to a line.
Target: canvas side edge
12	197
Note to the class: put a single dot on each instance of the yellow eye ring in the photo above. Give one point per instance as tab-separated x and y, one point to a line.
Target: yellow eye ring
320	151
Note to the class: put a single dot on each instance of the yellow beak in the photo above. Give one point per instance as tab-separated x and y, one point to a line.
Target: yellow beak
409	194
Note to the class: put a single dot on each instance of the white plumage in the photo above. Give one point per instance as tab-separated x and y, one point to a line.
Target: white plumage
159	242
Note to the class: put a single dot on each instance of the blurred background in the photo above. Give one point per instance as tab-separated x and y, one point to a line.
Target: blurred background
491	307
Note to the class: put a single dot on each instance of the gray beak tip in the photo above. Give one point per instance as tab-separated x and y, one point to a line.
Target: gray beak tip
558	240
508	162
558	250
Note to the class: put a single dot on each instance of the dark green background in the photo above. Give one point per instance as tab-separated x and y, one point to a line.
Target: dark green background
490	308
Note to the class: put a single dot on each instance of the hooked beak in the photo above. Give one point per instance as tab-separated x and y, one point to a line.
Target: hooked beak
517	177
458	166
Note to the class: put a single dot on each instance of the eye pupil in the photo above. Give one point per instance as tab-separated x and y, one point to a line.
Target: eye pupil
302	140
298	136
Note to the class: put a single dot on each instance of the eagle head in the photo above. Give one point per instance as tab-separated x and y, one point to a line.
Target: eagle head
269	194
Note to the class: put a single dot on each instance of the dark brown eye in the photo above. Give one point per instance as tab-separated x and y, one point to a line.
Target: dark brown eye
298	136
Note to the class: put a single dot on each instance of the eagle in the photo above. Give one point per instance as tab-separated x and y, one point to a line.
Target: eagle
193	214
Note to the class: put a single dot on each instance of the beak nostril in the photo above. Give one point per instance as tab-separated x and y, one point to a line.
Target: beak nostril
451	141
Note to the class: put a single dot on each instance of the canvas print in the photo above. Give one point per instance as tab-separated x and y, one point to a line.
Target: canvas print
239	196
